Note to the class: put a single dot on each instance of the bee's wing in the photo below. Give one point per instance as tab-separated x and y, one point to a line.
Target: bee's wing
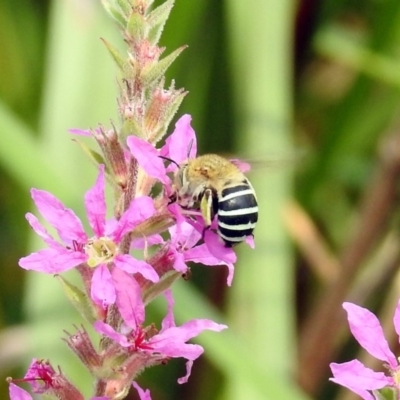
270	162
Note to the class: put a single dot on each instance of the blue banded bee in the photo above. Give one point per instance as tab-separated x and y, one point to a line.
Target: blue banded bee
217	187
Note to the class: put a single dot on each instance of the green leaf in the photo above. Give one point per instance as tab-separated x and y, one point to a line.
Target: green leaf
168	114
385	394
131	127
152	73
22	156
125	7
157	19
115	54
94	156
161	286
136	26
78	299
114	13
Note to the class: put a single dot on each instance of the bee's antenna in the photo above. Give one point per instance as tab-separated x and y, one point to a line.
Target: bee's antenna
168	159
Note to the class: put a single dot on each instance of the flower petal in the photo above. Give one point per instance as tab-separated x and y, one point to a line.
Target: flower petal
41	231
95	204
139	210
148	158
102	290
171	347
367	330
185	378
172	341
16	393
201	254
169	320
358	378
38	369
194	327
224	254
80	132
250	241
242	165
181	144
218	249
143	394
129	264
129	298
52	261
107	330
176	212
67	224
185	234
179	261
396	319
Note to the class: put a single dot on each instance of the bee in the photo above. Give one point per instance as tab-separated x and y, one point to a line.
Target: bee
217	187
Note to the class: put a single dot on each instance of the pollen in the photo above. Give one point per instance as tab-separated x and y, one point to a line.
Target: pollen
100	251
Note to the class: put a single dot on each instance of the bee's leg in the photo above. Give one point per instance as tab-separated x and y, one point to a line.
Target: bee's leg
206	208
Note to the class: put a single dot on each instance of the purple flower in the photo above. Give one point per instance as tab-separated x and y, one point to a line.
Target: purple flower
100	251
143	394
16	393
184	247
40	375
148	158
45	380
169	342
179	146
367	330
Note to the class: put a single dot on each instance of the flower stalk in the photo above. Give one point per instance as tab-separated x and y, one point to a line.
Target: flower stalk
117	285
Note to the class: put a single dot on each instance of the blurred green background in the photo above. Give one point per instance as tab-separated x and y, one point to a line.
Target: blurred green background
310	91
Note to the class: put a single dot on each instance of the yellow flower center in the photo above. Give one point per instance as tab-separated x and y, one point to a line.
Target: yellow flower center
100	250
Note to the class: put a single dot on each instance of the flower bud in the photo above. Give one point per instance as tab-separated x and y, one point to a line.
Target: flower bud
45	380
82	346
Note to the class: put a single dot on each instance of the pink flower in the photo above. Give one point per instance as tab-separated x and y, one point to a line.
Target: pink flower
179	146
184	247
100	251
169	342
143	394
16	393
367	330
45	380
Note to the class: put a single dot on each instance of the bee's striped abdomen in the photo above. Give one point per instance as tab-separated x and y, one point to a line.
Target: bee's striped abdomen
237	213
